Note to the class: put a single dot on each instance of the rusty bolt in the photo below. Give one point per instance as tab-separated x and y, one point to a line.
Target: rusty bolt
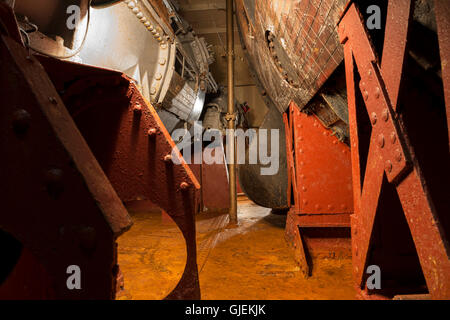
168	158
399	155
377	92
366	95
54	182
184	186
381	141
388	166
370	73
374	118
21	121
152	132
393	138
137	109
385	115
52	100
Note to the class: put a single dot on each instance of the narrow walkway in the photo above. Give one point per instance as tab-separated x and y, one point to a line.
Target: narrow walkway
250	262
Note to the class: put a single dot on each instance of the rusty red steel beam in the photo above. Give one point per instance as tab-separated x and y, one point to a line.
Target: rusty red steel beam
399	15
134	149
81	141
442	11
391	154
56	199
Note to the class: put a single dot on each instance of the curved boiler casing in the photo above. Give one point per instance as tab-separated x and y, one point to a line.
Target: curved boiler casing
293	46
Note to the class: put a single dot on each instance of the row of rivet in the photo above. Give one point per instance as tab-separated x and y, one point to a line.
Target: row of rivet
385	116
152	134
133	7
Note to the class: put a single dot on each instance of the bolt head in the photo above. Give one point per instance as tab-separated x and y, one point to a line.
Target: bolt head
152	132
21	121
184	186
399	155
137	109
377	92
54	182
366	95
374	118
385	115
381	141
168	158
393	138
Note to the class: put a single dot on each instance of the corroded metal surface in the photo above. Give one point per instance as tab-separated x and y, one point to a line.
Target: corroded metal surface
320	181
321	167
57	201
293	45
134	149
79	141
394	173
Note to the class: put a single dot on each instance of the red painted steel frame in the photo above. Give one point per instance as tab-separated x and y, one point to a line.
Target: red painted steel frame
320	181
134	149
77	141
56	199
390	152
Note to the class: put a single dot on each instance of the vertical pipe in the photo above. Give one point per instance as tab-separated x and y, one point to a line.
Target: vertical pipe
231	142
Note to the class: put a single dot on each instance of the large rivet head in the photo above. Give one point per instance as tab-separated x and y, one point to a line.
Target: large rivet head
393	138
374	118
152	132
381	141
168	158
184	186
399	155
137	109
54	182
21	121
377	92
385	115
366	95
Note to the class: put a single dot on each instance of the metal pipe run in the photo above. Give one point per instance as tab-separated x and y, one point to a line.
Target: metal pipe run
231	117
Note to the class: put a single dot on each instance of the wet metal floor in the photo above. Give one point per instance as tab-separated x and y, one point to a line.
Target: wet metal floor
250	262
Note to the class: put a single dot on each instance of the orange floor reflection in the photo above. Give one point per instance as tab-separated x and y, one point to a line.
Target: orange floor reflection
250	262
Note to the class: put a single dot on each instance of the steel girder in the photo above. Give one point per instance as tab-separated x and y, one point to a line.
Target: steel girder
391	161
77	142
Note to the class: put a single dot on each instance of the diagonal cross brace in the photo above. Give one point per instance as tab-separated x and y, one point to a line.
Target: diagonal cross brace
390	152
